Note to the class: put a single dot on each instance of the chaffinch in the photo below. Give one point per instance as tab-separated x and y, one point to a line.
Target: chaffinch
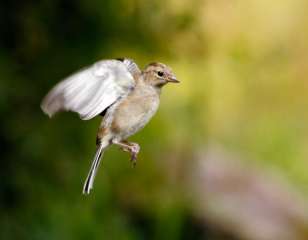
126	97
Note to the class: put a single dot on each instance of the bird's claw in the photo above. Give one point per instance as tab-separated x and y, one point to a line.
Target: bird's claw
135	148
133	159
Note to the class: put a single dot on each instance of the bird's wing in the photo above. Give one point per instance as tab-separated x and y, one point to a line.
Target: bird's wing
131	66
91	90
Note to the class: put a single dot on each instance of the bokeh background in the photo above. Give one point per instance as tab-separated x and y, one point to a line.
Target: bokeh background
225	157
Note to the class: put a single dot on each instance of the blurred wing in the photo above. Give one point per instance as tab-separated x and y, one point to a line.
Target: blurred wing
90	91
131	66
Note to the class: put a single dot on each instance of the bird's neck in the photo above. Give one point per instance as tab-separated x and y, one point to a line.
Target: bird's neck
141	85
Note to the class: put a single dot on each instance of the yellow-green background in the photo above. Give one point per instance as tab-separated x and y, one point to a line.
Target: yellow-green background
243	67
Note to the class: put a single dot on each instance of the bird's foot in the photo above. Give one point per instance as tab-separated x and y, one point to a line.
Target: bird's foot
134	150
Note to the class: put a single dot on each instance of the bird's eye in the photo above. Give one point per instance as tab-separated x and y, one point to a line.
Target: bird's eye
160	73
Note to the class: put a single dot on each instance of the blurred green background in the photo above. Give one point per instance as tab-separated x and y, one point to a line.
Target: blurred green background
226	155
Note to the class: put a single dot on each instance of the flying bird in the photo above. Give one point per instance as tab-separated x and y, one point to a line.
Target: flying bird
118	90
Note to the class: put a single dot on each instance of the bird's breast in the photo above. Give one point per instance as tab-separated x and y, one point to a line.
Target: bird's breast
134	112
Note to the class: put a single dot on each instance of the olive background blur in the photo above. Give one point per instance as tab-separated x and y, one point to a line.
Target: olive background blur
226	155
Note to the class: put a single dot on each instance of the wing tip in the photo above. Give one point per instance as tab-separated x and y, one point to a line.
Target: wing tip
48	108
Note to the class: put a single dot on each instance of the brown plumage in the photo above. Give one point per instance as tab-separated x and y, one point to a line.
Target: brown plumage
125	96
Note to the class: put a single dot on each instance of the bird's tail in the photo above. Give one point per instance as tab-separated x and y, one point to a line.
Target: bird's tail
88	185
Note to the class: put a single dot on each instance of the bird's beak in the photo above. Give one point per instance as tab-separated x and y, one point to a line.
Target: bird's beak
172	79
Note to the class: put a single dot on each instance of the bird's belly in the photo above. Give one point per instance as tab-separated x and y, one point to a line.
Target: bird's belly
132	115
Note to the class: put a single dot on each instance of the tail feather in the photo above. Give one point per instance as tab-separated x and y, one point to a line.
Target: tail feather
88	185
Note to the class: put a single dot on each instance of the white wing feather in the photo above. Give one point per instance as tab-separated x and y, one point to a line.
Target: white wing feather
90	91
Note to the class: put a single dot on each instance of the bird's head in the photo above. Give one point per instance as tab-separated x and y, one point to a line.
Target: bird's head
158	74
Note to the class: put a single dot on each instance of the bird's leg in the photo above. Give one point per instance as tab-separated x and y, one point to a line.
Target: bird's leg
125	146
131	147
